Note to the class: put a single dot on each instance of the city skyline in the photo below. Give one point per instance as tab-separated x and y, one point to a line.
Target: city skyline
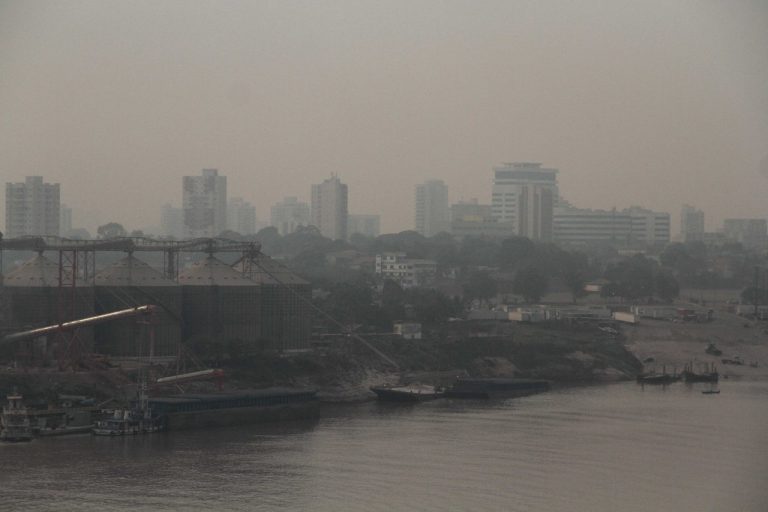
387	96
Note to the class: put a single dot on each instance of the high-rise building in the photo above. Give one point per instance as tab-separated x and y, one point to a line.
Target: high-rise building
204	200
432	210
32	208
525	194
368	225
241	216
691	223
470	218
289	214
751	233
65	220
329	208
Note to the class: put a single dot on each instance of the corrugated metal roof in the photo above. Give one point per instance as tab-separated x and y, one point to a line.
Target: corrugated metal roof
262	262
131	271
211	271
37	272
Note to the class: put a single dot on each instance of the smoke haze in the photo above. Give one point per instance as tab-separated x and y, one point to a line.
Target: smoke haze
654	103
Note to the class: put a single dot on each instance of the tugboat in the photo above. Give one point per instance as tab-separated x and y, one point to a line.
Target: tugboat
137	420
16	427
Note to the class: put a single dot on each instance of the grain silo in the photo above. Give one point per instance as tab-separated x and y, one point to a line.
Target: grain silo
34	298
131	282
219	303
285	301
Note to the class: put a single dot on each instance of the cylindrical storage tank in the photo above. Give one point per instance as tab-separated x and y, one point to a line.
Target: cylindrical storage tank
34	298
285	302
131	282
219	303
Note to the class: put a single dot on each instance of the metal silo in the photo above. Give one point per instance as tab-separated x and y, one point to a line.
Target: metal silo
219	303
285	298
34	298
131	282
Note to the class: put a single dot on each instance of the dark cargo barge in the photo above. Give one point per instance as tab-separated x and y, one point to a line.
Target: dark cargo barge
496	388
187	411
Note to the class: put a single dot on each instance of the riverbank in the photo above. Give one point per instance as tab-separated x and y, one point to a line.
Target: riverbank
345	370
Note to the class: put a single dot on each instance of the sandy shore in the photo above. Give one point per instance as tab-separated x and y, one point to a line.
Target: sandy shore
673	344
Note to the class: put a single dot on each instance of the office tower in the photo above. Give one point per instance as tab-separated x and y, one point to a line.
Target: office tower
329	208
691	223
289	214
204	200
432	211
368	225
524	194
32	208
241	216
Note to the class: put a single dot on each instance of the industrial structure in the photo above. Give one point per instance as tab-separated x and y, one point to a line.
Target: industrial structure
208	298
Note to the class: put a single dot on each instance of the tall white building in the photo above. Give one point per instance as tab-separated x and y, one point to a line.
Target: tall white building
32	208
329	208
364	224
289	214
241	216
204	200
432	209
525	194
691	223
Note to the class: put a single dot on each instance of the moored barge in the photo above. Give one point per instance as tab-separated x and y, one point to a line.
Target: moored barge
496	388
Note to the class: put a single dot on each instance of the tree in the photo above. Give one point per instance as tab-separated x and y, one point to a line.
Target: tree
516	251
574	274
111	230
480	286
530	283
667	287
430	306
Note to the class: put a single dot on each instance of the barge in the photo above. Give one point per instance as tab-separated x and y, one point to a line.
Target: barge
496	388
420	393
188	411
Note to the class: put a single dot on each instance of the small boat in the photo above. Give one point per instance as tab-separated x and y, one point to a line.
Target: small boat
711	392
412	393
15	421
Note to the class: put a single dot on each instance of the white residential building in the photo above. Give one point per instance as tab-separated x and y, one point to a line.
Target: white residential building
432	210
204	201
32	208
691	223
288	215
329	208
368	225
751	233
407	272
630	227
525	194
241	216
172	221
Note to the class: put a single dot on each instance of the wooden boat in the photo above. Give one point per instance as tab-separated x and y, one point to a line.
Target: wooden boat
411	393
711	392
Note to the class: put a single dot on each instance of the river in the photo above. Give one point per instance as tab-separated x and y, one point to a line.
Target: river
618	447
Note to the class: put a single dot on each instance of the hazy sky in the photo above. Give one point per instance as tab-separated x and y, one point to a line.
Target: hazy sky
654	102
